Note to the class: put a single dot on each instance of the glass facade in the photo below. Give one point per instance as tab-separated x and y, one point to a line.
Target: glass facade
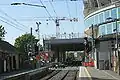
101	17
109	28
102	30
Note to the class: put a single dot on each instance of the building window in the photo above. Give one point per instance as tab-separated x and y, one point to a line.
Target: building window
92	20
96	19
101	18
114	13
118	25
109	28
118	12
107	14
85	22
102	30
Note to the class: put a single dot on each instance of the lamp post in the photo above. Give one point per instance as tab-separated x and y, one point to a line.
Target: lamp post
93	44
28	4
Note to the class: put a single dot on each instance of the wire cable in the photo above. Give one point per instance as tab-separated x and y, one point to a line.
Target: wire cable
12	18
68	8
76	8
47	10
53	8
12	25
69	14
8	21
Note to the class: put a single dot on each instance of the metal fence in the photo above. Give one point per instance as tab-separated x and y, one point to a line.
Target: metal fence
63	36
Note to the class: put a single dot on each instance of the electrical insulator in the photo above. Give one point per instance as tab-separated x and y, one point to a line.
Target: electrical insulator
70	20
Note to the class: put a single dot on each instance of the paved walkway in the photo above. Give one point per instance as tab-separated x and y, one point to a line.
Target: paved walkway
83	74
102	74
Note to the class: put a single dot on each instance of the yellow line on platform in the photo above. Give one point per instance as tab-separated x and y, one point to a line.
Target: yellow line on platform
89	76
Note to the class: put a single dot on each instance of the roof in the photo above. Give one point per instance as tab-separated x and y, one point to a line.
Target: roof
7	47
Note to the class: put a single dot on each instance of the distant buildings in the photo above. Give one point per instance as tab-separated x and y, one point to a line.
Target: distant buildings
96	12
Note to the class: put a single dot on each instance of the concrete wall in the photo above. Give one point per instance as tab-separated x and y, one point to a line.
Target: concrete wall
101	54
104	50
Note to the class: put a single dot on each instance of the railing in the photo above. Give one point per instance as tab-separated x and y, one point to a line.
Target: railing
63	36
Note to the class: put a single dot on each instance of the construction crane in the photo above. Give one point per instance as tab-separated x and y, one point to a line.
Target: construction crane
57	20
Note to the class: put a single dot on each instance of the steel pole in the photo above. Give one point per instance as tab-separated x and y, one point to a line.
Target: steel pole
116	37
31	40
117	54
92	41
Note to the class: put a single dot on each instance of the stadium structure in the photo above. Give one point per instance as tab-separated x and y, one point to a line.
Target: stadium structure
101	18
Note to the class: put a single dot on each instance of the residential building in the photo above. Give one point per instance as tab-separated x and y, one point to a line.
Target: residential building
9	59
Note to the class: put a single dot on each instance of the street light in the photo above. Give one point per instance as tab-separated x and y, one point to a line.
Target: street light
28	4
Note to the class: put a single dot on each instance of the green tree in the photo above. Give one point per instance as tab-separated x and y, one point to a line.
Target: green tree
22	43
2	32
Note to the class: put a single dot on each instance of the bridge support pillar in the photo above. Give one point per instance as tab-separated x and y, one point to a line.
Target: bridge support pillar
58	55
61	57
64	56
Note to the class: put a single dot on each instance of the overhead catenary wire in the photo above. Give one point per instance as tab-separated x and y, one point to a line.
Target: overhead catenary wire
69	14
68	9
12	25
8	20
76	8
46	10
12	18
58	1
53	8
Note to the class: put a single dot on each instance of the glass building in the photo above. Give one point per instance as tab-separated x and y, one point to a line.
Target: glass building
99	14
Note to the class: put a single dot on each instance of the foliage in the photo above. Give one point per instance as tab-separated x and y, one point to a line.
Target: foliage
2	32
22	42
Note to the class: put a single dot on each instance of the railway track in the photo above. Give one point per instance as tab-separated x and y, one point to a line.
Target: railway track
61	75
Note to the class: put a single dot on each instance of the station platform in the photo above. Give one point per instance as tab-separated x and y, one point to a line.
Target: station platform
90	73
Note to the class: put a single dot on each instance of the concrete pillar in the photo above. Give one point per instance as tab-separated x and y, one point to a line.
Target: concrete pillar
64	57
61	56
8	64
5	66
12	62
58	55
17	61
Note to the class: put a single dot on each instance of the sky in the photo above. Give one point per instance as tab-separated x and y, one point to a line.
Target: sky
18	19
